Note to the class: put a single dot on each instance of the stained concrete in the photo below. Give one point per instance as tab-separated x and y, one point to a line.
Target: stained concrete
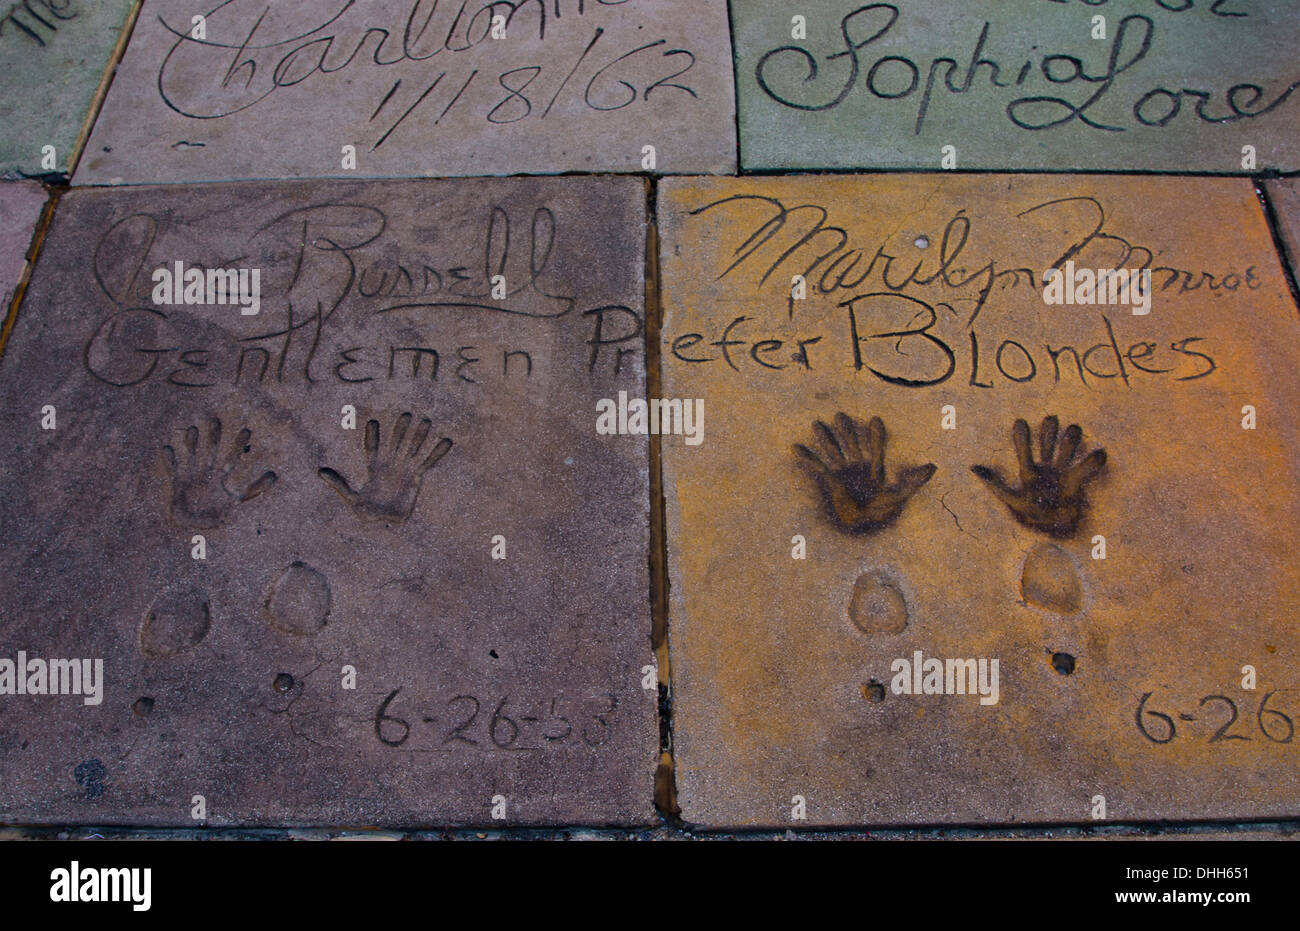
1102	502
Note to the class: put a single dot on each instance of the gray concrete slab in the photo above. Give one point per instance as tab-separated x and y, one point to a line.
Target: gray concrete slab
423	591
418	89
20	210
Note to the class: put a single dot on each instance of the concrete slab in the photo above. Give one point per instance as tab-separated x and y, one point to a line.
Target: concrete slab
1053	85
53	55
1284	197
418	89
423	591
922	461
20	210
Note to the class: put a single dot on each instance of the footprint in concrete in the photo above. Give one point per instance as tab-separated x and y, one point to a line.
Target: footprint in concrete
878	605
1051	580
178	620
299	601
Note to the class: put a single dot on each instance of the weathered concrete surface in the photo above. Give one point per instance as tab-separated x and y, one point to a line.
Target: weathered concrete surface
475	677
53	55
1284	197
783	668
20	211
1021	84
418	89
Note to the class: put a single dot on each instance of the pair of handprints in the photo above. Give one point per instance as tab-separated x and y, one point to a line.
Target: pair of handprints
848	463
202	472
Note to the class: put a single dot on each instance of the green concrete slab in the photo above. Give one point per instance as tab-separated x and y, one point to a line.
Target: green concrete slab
1173	85
53	57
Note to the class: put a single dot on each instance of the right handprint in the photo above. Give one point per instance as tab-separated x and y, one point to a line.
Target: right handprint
394	473
1051	494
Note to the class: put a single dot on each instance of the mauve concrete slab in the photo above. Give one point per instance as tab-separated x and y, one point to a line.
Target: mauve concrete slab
417	88
332	554
1284	197
20	211
829	528
53	55
1164	85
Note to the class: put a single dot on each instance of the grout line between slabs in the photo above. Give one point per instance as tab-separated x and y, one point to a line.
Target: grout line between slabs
1279	239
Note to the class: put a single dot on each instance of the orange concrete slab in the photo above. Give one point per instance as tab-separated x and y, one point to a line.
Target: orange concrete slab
950	553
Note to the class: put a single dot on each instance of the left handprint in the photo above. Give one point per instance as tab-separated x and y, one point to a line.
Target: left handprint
200	496
848	464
